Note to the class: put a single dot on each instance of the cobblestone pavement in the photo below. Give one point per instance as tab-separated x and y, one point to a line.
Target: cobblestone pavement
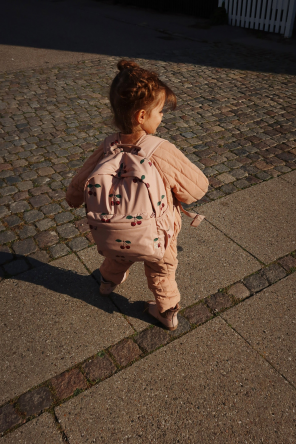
238	126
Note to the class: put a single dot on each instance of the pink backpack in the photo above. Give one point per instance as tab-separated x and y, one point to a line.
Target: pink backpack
126	203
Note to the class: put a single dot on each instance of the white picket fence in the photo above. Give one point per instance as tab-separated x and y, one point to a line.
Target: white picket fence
267	15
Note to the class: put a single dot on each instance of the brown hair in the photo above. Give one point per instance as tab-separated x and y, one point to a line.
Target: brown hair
134	89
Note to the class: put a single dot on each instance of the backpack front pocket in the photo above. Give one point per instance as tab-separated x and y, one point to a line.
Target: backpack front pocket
119	240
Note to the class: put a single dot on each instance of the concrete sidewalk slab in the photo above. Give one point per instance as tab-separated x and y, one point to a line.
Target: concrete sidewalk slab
208	260
53	317
261	219
267	322
40	430
206	387
290	177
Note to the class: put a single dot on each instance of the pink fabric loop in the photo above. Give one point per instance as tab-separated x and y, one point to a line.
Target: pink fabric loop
197	218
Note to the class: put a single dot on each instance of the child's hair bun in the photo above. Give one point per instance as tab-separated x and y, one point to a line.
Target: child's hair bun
133	89
127	65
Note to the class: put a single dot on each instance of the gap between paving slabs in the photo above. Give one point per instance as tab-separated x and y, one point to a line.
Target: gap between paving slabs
47	395
262	355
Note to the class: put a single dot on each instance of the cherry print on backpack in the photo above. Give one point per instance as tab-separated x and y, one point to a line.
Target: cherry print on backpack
162	204
115	199
169	232
156	243
136	220
143	160
124	245
122	169
92	189
135	180
132	200
105	218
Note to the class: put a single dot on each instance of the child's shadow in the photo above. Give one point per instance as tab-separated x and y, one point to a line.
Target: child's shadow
77	285
133	309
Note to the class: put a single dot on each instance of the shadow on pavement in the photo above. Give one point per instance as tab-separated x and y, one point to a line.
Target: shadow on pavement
76	285
93	27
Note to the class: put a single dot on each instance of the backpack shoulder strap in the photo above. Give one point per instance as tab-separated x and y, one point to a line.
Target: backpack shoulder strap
149	144
112	139
145	147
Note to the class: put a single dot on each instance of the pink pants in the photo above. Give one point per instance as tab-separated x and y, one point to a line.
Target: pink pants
160	275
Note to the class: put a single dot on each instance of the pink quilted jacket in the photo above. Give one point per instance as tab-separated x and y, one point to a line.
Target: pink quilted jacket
182	179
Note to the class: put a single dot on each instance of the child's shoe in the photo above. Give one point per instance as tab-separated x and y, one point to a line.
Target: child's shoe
168	318
107	287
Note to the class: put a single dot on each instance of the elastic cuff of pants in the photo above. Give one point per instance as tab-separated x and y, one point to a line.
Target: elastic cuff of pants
110	278
163	304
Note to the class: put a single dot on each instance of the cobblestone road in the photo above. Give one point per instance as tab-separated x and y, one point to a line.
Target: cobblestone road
238	126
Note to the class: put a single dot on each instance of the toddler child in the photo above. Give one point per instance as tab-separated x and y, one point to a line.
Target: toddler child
137	99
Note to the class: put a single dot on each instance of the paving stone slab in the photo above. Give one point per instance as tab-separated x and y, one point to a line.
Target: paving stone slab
20	206
33	215
274	273
78	244
12	221
63	217
256	282
25	185
67	383
206	387
59	250
208	261
26	231
40	200
40	430
46	239
267	322
183	326
8	418
125	351
152	338
33	402
8	190
82	225
219	301
55	318
45	224
99	368
288	262
37	259
197	314
24	247
39	190
239	291
7	237
51	209
67	231
261	219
